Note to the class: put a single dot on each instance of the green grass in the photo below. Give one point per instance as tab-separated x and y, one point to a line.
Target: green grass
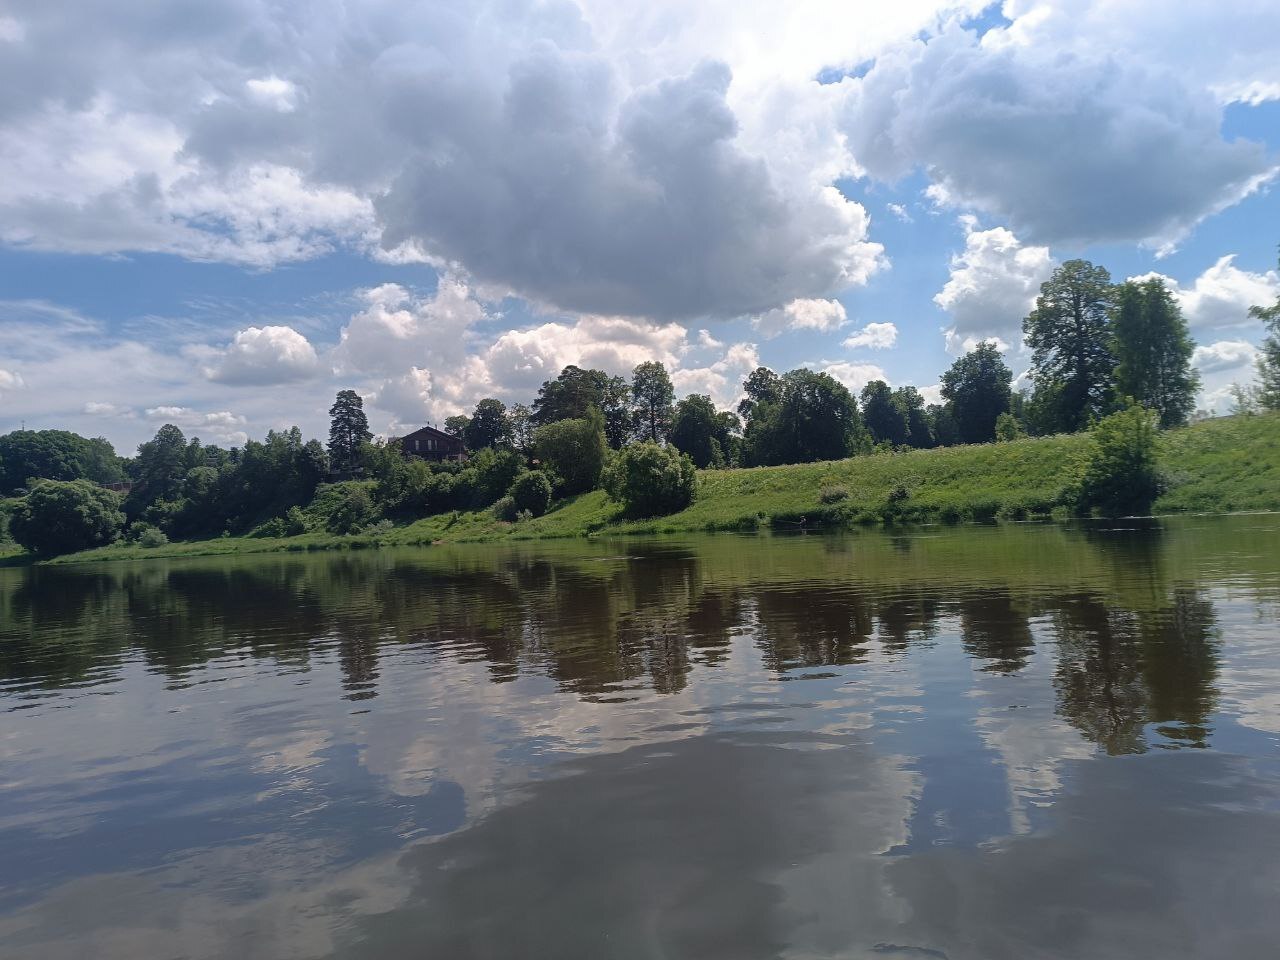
1223	465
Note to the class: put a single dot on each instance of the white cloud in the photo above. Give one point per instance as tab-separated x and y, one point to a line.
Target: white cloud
1063	139
10	380
101	408
264	355
876	336
855	376
280	95
802	314
1238	355
221	425
993	286
721	380
900	212
1220	297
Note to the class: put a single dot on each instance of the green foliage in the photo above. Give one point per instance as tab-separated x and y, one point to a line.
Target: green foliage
488	426
505	509
573	451
572	394
152	537
977	389
55	455
762	386
649	480
885	419
833	494
708	436
1121	475
1153	351
942	421
495	471
1008	428
59	517
344	508
348	430
920	432
653	396
531	492
1267	391
1069	332
816	418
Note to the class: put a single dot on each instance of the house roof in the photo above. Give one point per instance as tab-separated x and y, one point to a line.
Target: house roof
424	432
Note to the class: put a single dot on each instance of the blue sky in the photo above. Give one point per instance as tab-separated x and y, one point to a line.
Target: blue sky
222	224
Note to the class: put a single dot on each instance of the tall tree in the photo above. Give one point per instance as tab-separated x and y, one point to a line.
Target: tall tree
575	391
348	430
654	398
815	418
707	435
884	418
1069	332
942	423
762	386
1268	389
160	467
55	455
521	419
978	388
488	426
456	426
919	428
1153	351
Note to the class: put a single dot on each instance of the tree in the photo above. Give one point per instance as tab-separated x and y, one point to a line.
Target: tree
884	418
1153	351
919	424
1121	476
573	451
762	386
707	435
649	480
531	493
977	387
488	426
654	397
1267	392
65	516
520	418
815	418
160	468
348	430
575	391
456	426
1069	332
1008	428
55	455
942	421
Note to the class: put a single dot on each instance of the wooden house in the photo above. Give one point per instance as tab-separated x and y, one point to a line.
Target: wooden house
428	443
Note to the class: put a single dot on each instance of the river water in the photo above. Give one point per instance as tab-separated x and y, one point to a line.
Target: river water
1000	742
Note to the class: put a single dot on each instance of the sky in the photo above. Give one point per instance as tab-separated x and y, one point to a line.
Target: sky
218	214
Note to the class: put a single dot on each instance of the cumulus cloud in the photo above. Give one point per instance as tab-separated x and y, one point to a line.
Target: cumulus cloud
855	376
993	285
802	314
1060	138
1224	355
221	425
264	355
722	379
876	336
1220	297
102	408
10	380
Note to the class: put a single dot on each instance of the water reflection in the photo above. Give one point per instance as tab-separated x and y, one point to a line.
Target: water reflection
582	749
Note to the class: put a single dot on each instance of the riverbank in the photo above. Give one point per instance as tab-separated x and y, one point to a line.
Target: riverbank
1224	465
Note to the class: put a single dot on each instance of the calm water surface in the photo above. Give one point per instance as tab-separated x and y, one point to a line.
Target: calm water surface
1015	742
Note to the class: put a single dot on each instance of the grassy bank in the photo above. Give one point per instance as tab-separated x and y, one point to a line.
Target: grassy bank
1224	465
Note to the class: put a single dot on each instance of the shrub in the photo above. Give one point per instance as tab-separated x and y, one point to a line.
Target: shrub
1008	428
270	529
531	492
574	451
495	471
353	513
505	509
63	517
1121	476
153	537
649	480
833	494
295	524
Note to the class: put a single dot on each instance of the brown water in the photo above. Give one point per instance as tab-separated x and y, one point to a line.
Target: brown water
1014	742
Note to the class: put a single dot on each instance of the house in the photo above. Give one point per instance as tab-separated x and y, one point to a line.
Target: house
428	443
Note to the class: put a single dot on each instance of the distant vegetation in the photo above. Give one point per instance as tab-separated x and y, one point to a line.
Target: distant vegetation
1111	368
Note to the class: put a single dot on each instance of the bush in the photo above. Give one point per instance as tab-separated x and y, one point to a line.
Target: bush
649	480
295	524
531	492
833	494
63	517
495	471
1121	476
153	537
505	509
574	451
353	513
1008	428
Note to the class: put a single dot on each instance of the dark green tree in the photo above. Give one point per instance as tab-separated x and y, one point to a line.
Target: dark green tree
1121	476
521	419
456	426
55	455
1069	332
815	418
1267	392
348	430
1153	351
488	426
885	420
575	391
160	467
573	451
58	517
531	492
919	423
654	398
707	435
942	423
978	388
649	480
762	386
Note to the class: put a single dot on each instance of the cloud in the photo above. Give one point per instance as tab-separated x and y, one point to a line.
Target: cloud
10	380
1220	297
722	379
221	425
855	376
1224	355
264	355
1053	134
993	286
101	408
876	336
802	314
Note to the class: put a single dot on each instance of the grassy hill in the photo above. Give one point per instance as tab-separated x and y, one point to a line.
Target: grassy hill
1222	465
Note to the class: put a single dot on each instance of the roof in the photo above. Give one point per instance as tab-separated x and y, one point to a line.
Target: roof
424	432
